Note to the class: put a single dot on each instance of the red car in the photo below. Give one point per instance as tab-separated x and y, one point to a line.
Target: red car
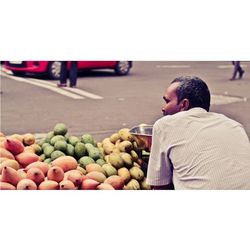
52	68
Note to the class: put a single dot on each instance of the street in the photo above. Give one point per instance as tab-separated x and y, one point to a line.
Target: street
103	103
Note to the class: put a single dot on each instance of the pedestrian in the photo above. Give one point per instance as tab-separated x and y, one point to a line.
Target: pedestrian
194	148
65	73
237	68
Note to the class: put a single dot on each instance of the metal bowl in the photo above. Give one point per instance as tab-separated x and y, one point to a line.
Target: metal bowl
143	135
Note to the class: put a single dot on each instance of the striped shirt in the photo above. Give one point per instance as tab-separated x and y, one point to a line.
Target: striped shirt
197	149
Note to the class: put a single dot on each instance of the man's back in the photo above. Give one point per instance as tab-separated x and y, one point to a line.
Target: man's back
206	150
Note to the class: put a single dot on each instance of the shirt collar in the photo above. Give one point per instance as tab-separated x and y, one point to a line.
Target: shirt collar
196	110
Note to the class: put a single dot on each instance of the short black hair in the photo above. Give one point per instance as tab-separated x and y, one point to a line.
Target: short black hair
195	90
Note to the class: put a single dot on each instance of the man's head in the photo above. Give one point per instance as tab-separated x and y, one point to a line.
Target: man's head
184	93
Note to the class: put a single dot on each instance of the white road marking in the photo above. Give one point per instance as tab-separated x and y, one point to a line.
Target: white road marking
225	66
229	66
47	86
84	93
222	99
75	90
77	93
173	66
52	88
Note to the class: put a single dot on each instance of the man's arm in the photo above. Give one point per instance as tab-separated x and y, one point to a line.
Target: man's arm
159	169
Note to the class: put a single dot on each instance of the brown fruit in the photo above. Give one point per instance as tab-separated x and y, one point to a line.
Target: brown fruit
133	184
55	174
48	185
13	145
115	181
22	173
26	184
10	175
36	175
136	173
124	174
27	158
66	185
6	186
2	159
75	176
18	137
29	149
89	184
9	163
105	186
82	170
97	176
38	164
4	153
94	167
28	139
65	162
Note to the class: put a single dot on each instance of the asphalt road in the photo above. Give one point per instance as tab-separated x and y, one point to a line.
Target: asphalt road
103	103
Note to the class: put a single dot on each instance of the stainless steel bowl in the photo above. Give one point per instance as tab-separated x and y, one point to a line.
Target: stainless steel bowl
143	135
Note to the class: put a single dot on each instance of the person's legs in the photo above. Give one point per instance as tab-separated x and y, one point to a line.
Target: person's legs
63	74
236	65
73	74
241	71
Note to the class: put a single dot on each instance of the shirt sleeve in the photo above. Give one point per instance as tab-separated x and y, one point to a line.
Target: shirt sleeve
159	167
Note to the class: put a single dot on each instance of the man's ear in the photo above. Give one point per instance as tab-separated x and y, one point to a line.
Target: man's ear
185	104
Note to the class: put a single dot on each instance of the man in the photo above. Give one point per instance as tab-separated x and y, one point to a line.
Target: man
71	74
195	148
237	68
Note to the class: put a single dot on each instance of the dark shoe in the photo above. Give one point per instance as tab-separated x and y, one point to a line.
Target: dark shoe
232	79
241	74
61	85
72	86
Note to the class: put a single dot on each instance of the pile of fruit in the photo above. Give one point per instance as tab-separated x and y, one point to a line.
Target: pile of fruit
67	162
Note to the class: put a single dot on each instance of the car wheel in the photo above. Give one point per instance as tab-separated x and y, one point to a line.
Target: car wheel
122	67
18	73
54	69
